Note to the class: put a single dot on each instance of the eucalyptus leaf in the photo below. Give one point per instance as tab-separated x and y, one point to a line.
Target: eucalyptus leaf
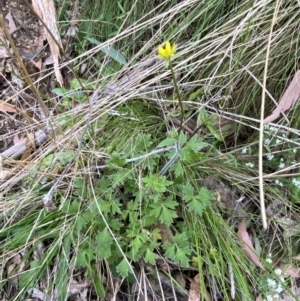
111	52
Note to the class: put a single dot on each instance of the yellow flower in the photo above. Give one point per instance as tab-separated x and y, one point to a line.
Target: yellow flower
168	51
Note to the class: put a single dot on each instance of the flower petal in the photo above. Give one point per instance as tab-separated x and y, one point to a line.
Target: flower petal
168	49
161	51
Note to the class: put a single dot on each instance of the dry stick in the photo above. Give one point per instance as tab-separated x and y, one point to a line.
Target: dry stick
21	64
261	128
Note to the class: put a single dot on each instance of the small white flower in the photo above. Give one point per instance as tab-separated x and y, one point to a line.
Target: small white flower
267	141
272	283
278	272
270	157
277	182
276	296
281	165
266	126
279	289
294	151
249	164
281	159
278	141
269	260
269	298
244	150
273	129
281	279
296	182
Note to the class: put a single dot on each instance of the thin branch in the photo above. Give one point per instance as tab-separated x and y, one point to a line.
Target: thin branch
21	64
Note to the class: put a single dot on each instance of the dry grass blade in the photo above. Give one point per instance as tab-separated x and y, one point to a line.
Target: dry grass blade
262	112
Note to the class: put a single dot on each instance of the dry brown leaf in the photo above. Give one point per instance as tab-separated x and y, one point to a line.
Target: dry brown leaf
11	270
37	294
75	288
289	270
259	298
30	146
38	64
12	274
46	10
4	173
288	99
5	107
3	52
165	232
290	227
4	45
194	293
11	23
246	243
180	280
286	296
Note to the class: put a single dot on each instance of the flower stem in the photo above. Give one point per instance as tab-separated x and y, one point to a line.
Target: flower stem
178	97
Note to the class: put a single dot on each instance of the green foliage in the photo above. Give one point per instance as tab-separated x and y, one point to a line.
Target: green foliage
117	222
155	186
122	211
124	268
164	210
62	278
179	250
74	93
104	243
199	201
27	278
116	160
98	285
110	51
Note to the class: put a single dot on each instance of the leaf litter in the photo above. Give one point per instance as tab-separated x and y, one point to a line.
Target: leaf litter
247	245
288	99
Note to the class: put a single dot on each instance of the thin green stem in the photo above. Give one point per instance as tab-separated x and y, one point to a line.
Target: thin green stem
178	96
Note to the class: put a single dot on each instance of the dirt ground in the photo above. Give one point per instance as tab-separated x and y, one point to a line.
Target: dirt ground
20	113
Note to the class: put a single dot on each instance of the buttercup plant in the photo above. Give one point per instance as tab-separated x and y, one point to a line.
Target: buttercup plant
167	53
